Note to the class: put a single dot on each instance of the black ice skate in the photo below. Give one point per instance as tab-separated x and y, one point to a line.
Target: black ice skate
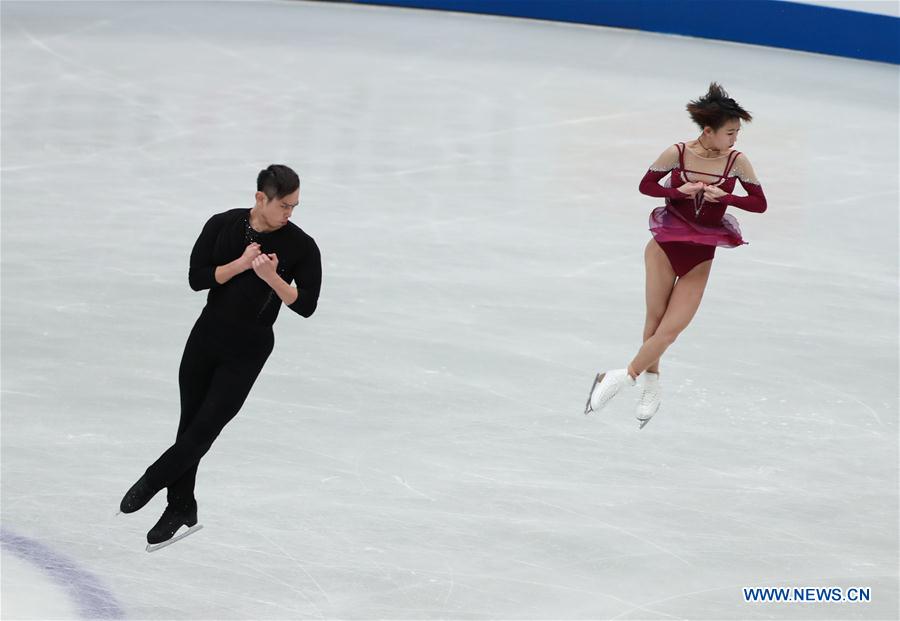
138	496
173	520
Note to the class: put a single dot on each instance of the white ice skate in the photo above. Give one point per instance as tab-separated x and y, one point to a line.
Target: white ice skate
651	397
606	386
185	531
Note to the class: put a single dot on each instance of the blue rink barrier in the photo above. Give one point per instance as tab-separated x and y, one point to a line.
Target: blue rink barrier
774	23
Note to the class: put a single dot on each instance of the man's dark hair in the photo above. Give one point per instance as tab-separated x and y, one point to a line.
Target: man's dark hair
276	181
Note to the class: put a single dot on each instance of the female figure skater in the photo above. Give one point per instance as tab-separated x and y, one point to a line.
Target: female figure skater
247	259
686	232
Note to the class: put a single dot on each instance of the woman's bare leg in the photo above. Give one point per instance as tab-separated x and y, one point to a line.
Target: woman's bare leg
659	283
682	307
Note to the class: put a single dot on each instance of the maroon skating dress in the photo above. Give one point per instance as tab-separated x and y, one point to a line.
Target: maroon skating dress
689	228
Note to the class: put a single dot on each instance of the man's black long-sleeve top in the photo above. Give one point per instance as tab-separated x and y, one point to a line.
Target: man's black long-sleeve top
246	297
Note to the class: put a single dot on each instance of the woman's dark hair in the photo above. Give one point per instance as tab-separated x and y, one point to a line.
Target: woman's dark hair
716	108
276	181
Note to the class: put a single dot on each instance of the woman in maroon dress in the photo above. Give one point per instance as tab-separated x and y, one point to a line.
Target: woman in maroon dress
686	231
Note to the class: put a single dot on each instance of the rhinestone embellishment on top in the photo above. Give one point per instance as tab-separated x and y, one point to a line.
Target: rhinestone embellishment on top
250	236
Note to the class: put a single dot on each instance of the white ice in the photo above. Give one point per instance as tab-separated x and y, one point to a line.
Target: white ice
417	448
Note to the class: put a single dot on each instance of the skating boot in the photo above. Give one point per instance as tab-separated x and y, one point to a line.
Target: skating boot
173	519
606	386
651	397
138	496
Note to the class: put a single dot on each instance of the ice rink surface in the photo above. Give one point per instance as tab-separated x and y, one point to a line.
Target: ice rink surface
417	448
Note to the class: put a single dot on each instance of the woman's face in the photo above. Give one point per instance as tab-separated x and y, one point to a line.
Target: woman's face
277	211
724	138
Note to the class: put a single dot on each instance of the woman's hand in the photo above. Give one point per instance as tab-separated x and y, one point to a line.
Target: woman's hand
250	253
692	188
266	266
712	193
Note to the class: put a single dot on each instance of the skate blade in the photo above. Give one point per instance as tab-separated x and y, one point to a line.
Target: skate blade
587	406
153	547
643	422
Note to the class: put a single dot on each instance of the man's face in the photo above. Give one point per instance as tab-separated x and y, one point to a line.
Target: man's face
277	211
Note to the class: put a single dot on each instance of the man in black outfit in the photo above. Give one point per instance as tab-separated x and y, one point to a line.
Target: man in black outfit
247	258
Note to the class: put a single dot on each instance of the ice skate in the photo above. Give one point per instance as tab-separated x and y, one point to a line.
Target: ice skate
138	496
651	397
606	386
175	524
